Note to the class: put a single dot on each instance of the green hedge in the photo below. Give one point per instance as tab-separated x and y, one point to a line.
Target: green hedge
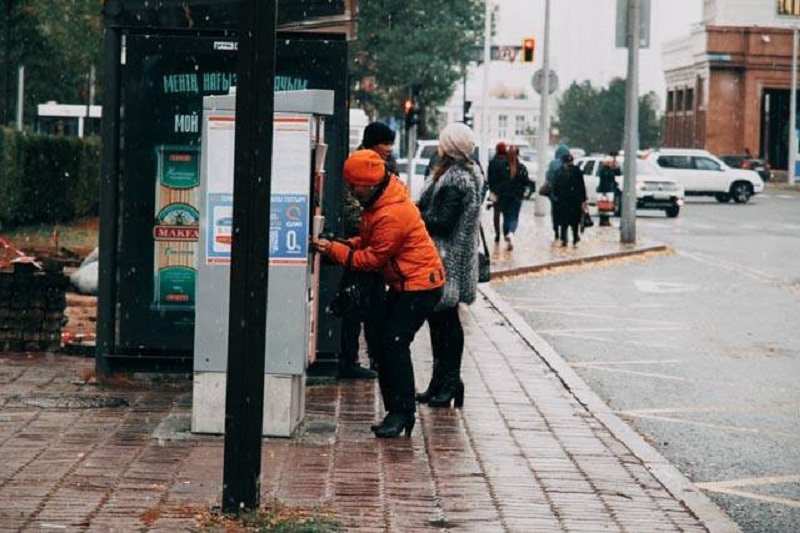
44	178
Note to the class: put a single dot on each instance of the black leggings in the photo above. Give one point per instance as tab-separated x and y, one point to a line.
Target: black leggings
447	338
403	315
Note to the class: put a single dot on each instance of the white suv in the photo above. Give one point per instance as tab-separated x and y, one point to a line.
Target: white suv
703	174
653	189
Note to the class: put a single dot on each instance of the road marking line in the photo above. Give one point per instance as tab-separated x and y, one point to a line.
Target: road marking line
723	427
642	362
659	376
756	496
733	267
570	304
748	482
664	287
611	330
651	375
589	315
735	408
646	344
728	487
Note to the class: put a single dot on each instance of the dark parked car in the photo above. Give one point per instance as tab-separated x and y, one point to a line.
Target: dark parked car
750	163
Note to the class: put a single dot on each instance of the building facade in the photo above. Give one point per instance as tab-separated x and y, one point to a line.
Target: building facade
728	81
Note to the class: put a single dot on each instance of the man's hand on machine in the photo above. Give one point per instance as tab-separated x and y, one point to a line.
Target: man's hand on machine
321	245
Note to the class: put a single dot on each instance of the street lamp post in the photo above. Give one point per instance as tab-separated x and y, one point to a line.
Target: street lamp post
790	174
483	148
627	227
544	113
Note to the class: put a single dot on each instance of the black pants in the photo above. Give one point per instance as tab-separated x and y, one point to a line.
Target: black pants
375	292
553	216
404	313
351	335
447	340
575	232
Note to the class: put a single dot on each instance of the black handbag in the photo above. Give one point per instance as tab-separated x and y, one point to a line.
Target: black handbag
357	292
586	221
484	262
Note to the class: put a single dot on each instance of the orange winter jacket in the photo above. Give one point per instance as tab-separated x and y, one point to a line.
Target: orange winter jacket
393	239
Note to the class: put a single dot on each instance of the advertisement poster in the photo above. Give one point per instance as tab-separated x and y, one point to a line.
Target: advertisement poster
289	203
164	79
175	230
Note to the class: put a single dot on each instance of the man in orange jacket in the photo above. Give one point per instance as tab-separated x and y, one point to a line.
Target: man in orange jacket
393	240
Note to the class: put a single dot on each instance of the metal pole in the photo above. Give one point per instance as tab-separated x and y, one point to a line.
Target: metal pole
20	95
539	205
108	238
7	92
790	171
252	187
627	227
411	145
464	98
483	148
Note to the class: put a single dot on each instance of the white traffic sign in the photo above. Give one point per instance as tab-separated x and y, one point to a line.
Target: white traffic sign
537	81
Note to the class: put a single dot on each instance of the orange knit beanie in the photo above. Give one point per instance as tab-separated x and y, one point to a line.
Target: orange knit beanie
364	168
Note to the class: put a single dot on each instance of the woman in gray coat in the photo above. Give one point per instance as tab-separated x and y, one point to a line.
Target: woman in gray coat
450	206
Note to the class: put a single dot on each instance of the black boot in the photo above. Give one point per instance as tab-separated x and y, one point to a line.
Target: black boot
452	391
394	424
433	386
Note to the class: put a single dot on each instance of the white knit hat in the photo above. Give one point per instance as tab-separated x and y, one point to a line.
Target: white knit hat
457	140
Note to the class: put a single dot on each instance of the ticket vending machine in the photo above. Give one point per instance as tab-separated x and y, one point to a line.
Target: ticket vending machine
298	154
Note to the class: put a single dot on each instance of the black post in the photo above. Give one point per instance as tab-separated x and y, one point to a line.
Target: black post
464	99
109	205
7	96
252	186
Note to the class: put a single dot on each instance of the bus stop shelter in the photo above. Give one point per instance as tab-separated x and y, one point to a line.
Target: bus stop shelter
161	59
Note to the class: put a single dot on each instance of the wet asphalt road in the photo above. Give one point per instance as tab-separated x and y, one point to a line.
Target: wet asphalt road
699	349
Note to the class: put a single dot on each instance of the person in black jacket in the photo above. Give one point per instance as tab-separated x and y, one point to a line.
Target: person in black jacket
508	179
379	138
569	191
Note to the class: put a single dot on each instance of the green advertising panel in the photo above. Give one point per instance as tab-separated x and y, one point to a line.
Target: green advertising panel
164	80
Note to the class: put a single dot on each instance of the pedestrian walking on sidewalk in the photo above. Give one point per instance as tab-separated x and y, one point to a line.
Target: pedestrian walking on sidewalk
450	205
549	178
569	192
392	240
379	138
508	180
607	190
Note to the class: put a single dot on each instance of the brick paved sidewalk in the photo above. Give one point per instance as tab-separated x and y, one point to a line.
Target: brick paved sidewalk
522	455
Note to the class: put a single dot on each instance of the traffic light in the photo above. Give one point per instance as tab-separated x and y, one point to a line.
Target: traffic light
528	47
411	113
468	118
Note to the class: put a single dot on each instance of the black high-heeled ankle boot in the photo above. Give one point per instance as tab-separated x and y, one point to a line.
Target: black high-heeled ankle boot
451	391
435	384
394	424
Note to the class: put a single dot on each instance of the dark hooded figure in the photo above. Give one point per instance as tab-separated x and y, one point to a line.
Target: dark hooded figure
569	194
550	176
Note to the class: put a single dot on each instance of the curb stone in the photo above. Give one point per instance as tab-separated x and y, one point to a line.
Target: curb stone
670	477
517	271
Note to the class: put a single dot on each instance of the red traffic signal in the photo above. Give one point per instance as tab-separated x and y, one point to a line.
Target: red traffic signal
408	107
528	47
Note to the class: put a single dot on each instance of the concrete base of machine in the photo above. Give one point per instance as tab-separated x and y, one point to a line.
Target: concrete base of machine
284	403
